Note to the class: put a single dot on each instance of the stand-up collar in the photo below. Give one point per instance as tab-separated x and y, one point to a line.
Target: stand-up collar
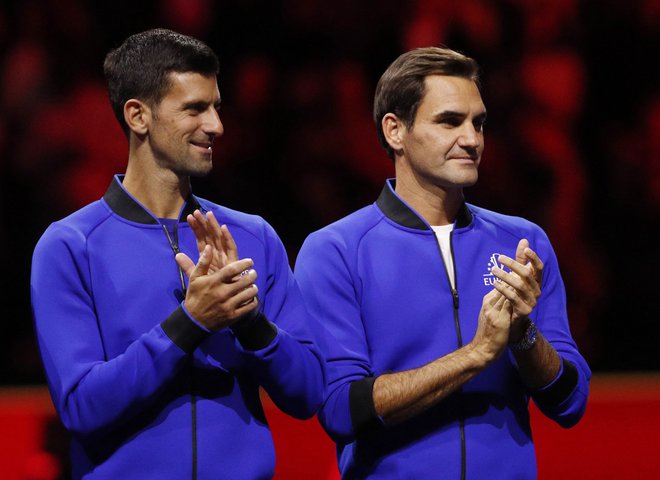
400	212
123	204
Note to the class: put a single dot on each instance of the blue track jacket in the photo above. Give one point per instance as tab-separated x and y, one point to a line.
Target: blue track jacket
377	285
146	392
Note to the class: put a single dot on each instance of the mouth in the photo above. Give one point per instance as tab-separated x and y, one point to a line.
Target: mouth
468	159
205	147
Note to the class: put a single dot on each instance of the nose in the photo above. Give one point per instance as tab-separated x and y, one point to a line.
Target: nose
212	124
469	137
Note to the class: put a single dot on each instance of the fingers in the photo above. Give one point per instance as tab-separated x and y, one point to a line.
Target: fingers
494	303
208	231
248	307
521	286
196	224
522	277
526	256
523	300
520	269
203	264
245	298
536	263
229	272
491	298
219	233
228	244
520	251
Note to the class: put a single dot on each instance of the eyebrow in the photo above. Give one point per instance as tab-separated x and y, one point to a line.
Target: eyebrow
449	114
201	105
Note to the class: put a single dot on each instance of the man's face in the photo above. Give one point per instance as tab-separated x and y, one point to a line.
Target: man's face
185	123
443	146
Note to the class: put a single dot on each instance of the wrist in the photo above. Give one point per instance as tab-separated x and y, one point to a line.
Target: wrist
518	329
480	354
526	340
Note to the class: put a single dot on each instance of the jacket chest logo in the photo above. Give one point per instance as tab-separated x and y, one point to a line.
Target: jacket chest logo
488	278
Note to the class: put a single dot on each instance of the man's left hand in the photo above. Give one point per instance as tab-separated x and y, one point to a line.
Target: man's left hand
521	286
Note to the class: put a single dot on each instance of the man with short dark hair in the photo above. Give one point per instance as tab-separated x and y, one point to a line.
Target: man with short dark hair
439	319
155	376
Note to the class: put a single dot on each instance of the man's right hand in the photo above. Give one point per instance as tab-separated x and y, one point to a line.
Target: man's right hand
493	328
217	299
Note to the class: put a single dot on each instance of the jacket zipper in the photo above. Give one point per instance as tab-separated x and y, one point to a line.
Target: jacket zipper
174	244
459	337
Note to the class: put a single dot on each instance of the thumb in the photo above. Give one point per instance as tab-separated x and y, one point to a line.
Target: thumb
190	269
185	263
520	251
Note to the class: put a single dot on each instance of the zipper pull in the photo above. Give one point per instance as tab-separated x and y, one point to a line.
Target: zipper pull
454	295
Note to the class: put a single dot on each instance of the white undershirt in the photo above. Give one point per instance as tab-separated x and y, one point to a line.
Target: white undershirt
442	234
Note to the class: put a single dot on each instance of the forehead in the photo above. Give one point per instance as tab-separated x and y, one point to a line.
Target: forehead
448	93
191	87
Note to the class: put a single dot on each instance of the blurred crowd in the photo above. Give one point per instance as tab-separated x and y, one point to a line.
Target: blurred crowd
572	141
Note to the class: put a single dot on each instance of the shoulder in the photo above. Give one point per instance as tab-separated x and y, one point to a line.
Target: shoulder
517	227
349	229
78	226
236	220
343	236
509	223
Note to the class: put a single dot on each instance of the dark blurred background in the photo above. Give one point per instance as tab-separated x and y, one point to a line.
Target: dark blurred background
572	141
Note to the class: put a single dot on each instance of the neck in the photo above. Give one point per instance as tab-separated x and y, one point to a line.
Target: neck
162	192
436	205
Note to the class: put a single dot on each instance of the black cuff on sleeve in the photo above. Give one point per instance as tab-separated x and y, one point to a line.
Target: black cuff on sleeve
560	389
254	332
361	402
183	331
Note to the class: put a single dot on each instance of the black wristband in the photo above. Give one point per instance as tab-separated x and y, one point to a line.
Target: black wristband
253	330
183	331
560	389
361	402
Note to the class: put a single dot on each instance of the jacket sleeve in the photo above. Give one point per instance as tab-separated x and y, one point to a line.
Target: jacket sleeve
563	400
91	392
287	363
328	286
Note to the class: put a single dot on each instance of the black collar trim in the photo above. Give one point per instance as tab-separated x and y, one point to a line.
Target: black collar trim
399	212
123	204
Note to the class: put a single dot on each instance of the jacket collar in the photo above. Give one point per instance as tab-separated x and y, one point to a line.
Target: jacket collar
400	212
123	204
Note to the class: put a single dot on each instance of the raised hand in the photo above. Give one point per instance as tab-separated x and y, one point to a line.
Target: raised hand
208	231
521	286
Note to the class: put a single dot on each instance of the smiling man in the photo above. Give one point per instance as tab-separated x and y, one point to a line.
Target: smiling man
154	374
439	319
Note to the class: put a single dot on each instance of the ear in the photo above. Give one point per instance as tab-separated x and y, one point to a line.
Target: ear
394	131
137	116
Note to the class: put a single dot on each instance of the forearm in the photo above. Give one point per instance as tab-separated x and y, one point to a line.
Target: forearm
290	370
94	404
402	395
94	395
539	365
557	383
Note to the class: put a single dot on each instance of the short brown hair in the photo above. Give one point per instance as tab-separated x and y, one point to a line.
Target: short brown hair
401	88
140	67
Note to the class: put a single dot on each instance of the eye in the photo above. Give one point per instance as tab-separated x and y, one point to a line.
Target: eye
451	122
196	108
